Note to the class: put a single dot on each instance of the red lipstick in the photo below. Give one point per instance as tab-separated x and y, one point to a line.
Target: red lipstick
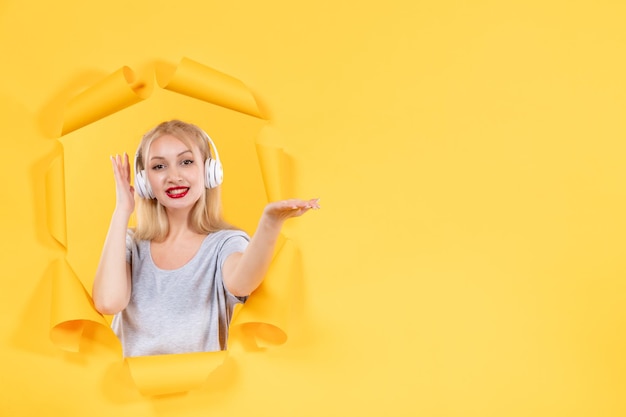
177	192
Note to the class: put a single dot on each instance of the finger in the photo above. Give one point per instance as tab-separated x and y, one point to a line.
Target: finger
314	203
300	205
117	161
308	204
117	169
114	165
127	165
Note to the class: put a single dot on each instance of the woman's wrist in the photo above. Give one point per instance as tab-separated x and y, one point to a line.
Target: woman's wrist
271	220
122	213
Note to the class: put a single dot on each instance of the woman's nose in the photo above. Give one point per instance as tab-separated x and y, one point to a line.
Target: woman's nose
174	175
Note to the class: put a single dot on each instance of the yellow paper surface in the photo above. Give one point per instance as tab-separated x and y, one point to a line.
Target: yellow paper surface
468	260
171	374
110	118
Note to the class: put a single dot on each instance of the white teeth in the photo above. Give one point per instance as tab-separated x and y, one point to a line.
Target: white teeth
177	191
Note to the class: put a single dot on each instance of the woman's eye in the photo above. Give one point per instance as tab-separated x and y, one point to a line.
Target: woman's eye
187	162
158	167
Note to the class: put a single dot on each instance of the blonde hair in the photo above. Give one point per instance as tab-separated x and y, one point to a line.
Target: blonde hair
206	214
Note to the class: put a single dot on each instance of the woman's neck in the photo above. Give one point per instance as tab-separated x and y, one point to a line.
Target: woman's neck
179	225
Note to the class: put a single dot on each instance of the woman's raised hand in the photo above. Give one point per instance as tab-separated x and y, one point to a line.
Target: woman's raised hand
124	192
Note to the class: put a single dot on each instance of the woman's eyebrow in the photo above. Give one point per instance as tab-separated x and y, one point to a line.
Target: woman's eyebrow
162	157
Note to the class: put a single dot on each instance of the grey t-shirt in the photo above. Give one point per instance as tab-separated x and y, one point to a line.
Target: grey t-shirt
182	310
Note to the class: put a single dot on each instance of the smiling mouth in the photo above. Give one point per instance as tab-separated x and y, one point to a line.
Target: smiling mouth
177	192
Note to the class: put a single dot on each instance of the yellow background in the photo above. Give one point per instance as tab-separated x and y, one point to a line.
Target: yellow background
469	156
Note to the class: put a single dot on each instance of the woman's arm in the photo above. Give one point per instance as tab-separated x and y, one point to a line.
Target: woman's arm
112	284
244	272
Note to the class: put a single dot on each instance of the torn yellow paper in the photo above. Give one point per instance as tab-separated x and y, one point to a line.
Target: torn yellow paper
110	118
193	79
71	310
274	167
110	95
265	317
55	201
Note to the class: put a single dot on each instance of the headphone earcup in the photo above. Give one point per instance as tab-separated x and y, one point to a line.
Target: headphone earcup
142	186
213	173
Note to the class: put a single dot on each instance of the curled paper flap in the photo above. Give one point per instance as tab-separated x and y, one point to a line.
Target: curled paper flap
110	95
196	80
55	201
71	309
274	168
170	374
265	316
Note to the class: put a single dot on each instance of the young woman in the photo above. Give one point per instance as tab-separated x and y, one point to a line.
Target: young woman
173	282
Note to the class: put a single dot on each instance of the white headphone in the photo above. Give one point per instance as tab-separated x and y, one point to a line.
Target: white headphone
213	172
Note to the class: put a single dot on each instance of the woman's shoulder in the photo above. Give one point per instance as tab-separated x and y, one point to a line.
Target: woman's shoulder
131	239
224	242
130	236
226	233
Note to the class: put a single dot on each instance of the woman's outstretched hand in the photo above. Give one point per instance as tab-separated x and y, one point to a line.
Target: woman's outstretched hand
124	192
244	272
282	210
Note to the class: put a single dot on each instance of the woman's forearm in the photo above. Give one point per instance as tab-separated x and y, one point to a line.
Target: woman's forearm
244	272
252	265
112	284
